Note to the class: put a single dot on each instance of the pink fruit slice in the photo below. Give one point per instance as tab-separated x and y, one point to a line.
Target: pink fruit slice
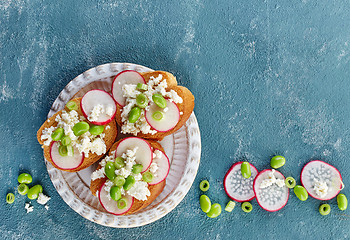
163	169
110	205
94	97
144	153
322	172
170	117
236	186
66	163
271	198
125	77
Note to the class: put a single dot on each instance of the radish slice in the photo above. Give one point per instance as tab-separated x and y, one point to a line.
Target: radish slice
92	99
321	180
163	168
125	77
144	153
110	205
236	186
170	118
271	198
65	163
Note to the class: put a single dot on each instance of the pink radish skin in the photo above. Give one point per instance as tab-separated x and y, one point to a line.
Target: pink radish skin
163	168
256	186
333	191
110	205
124	77
94	97
144	153
228	188
65	163
170	119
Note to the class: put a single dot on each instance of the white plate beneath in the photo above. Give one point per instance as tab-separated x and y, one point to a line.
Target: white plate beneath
183	149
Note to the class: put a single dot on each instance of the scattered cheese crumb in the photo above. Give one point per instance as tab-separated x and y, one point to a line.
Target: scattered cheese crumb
46	207
28	207
43	199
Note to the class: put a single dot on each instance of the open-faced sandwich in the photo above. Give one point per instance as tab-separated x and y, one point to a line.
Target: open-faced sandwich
150	105
81	134
131	176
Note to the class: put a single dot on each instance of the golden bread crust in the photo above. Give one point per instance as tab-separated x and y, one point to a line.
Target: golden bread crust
186	107
138	204
110	136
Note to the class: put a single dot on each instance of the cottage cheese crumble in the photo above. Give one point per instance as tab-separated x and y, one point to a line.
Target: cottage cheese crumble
272	180
154	85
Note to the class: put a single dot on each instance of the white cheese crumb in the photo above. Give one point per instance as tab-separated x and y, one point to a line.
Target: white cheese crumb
165	109
100	173
108	127
46	207
109	110
271	179
46	135
42	199
153	168
320	188
181	113
139	191
29	208
96	112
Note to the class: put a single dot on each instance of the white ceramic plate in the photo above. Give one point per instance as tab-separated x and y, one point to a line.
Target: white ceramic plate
183	149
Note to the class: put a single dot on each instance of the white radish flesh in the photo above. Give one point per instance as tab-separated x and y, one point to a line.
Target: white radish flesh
110	205
273	197
144	154
94	97
319	171
125	77
163	165
68	162
236	186
170	117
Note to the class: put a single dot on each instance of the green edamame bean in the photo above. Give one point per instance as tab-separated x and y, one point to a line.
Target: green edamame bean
157	115
121	204
96	129
324	209
70	150
25	178
65	140
141	86
342	202
71	105
80	128
247	207
214	211
204	185
147	177
137	168
129	182
141	100
10	198
63	150
57	134
22	189
115	193
119	163
205	203
301	192
277	161
34	191
290	182
245	170
159	100
119	180
134	114
110	170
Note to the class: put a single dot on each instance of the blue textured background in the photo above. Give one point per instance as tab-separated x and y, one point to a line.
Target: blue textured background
268	77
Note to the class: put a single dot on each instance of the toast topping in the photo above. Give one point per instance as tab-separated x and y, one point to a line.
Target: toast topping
155	86
139	189
85	143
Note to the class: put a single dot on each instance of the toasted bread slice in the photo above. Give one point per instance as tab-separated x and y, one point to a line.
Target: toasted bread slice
110	136
186	107
154	189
